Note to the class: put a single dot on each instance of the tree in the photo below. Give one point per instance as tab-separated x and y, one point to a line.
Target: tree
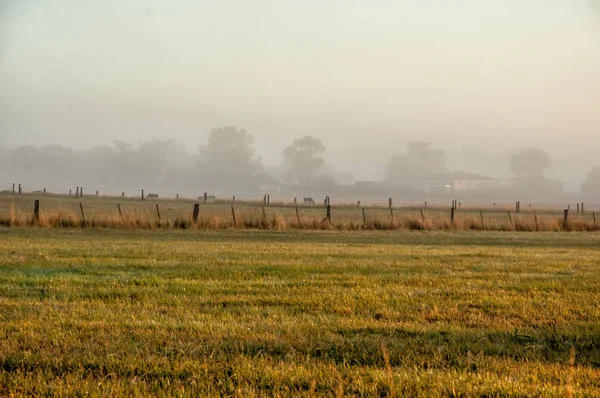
152	159
530	162
56	160
302	158
591	185
24	160
134	164
228	158
264	179
418	163
323	181
101	162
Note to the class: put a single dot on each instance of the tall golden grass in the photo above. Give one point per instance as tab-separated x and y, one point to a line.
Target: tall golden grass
133	220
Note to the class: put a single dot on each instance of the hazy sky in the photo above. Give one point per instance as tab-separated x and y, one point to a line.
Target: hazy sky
356	73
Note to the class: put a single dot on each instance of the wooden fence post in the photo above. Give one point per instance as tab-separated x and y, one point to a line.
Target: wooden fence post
13	190
295	200
510	219
264	215
122	194
537	225
452	215
594	215
298	216
20	189
233	198
233	215
566	218
577	207
120	212
36	210
83	223
96	193
70	192
265	200
364	216
423	215
268	200
481	216
390	202
329	212
81	192
158	212
177	197
581	207
142	194
196	212
77	191
205	196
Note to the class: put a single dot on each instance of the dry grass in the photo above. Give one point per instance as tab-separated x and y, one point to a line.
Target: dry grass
278	222
58	212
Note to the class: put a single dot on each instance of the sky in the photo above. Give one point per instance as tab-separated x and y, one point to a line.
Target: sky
362	75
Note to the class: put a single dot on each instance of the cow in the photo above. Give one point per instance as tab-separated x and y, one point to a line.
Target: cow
309	201
208	197
152	196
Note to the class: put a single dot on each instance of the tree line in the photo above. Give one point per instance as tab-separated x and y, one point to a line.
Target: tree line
228	161
421	162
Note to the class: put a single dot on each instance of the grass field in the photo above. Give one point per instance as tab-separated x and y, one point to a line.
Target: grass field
257	312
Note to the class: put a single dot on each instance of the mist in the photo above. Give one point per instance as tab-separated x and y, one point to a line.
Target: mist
479	80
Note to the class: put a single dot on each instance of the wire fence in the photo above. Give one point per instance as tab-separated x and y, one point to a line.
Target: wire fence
103	191
36	207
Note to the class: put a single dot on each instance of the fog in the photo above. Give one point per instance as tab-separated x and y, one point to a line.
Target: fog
480	80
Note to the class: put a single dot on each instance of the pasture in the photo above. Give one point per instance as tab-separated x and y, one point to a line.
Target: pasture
132	312
112	212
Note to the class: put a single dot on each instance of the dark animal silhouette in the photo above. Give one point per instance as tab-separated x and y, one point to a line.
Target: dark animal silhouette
309	201
152	196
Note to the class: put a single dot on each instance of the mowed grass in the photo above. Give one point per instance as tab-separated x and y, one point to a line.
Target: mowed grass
257	312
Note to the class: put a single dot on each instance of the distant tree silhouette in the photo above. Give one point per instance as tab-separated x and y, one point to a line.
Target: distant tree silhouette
530	162
25	159
228	159
323	181
142	163
151	157
303	158
418	163
264	178
591	185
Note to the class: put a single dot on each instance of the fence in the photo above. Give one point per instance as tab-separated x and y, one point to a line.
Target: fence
77	210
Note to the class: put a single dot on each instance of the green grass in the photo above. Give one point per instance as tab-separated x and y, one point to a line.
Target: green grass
241	312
